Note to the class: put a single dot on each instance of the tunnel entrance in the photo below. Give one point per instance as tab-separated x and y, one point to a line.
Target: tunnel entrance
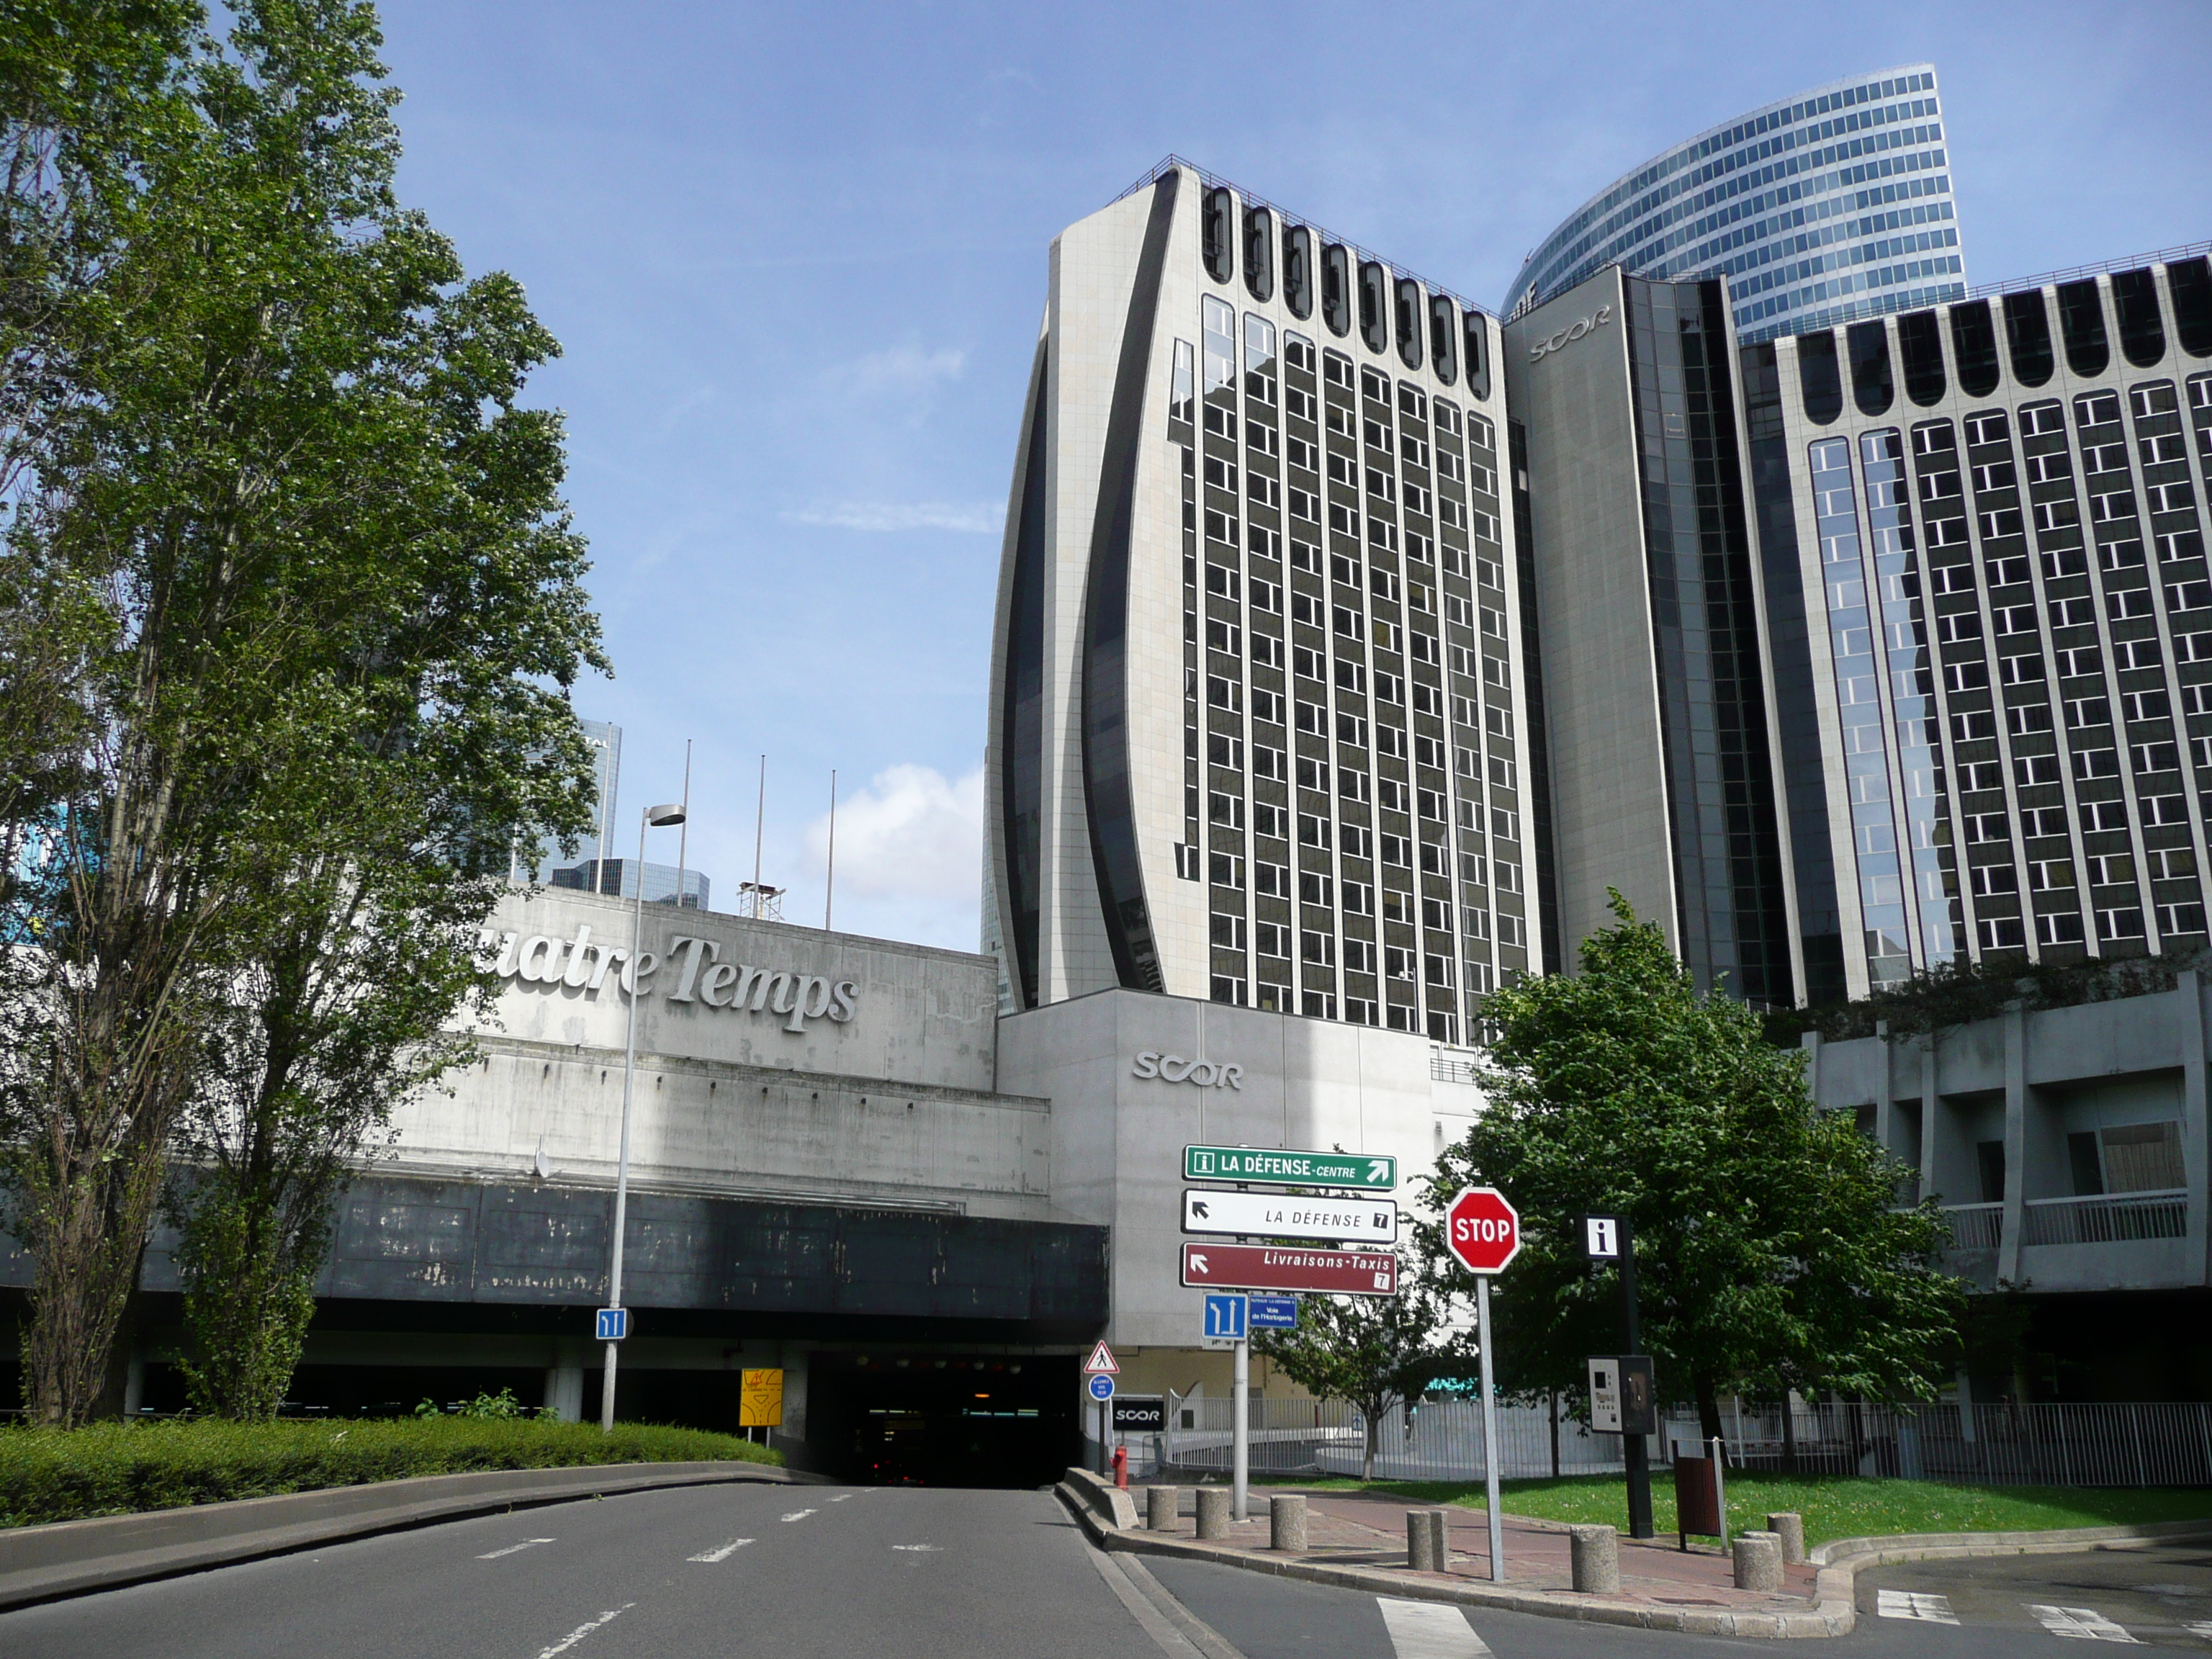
943	1419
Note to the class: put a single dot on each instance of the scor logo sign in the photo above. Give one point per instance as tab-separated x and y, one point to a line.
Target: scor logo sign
1570	334
1174	1068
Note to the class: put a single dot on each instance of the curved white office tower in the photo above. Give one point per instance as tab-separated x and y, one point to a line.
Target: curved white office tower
1260	728
1829	205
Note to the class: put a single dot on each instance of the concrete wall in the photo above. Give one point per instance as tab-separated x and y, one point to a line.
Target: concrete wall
1118	1137
2029	1080
894	1105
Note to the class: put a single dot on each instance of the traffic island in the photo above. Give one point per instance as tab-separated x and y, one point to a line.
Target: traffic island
1356	1541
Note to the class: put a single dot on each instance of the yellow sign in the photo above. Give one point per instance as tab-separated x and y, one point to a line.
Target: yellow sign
760	1400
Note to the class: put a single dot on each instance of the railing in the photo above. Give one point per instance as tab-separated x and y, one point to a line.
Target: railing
2109	1220
1450	1068
2001	1445
1975	1226
2052	279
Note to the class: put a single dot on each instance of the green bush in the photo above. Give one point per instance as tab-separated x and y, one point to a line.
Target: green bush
120	1468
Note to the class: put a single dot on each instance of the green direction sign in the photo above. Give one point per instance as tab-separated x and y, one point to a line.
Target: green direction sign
1272	1167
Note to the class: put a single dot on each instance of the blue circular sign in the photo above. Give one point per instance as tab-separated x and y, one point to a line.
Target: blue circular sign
1102	1388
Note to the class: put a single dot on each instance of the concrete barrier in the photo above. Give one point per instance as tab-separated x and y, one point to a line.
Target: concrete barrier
1789	1526
1213	1511
1116	1505
1161	1504
1597	1552
1424	1541
1758	1561
1286	1523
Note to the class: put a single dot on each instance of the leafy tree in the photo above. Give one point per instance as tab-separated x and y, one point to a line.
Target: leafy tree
1770	1250
340	610
1371	1352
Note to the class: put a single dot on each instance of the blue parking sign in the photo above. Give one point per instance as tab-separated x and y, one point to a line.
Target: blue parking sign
613	1325
1225	1318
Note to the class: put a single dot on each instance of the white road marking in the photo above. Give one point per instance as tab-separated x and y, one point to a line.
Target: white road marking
514	1549
723	1553
799	1515
582	1630
918	1549
1430	1630
841	1497
1915	1604
2085	1624
2203	1628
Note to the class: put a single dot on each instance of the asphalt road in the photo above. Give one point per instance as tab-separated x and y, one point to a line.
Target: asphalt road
796	1571
791	1571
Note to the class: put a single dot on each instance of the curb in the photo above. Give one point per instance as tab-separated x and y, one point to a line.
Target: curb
1833	1612
62	1559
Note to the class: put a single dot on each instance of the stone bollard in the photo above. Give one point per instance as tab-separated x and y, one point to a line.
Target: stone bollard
1791	1528
1213	1511
1758	1561
1597	1560
1160	1505
1424	1541
1286	1523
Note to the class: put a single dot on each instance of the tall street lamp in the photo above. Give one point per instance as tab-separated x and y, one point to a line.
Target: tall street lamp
656	818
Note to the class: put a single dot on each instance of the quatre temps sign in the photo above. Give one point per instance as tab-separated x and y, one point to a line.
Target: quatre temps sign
695	974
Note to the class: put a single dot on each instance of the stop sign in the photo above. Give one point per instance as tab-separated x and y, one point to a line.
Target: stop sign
1482	1230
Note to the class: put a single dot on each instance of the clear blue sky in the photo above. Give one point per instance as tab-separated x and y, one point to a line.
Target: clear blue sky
796	255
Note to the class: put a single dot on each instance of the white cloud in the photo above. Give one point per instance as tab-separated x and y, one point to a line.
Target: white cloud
974	517
902	368
910	834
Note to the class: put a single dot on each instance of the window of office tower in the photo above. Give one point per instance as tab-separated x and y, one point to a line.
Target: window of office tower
1858	709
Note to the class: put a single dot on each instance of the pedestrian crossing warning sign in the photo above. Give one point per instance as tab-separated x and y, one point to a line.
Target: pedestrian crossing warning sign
1101	1362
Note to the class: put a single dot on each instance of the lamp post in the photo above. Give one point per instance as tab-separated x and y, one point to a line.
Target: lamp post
656	818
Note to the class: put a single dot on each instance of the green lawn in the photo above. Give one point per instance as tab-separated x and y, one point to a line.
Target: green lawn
1834	1506
119	1468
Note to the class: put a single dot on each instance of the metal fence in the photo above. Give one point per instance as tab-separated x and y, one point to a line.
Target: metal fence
2105	1220
2001	1445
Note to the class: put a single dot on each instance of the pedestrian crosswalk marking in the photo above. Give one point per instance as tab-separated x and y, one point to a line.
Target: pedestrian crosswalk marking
1915	1604
722	1553
2202	1627
2084	1624
1430	1630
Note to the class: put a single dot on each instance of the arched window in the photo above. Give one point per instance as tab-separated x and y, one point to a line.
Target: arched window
1443	339
1297	271
1920	345
1872	387
2081	320
1336	287
2143	331
1259	253
1214	237
1974	348
2027	335
1820	376
1374	306
1409	322
2189	281
1478	354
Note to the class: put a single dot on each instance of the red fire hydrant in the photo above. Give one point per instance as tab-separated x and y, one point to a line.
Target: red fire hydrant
1121	1468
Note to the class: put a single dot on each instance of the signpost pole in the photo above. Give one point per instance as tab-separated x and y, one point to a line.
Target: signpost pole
1633	1451
1102	1437
1241	1455
1489	1435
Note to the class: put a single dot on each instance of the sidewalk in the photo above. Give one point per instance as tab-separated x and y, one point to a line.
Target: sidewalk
1356	1528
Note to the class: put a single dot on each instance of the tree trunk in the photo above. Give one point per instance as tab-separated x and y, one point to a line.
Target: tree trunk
1789	1434
1554	1393
1367	1466
1708	1411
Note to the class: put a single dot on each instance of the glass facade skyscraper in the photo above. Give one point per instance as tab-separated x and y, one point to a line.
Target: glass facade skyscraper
1833	204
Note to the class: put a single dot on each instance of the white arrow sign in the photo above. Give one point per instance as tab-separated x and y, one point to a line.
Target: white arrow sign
1266	1215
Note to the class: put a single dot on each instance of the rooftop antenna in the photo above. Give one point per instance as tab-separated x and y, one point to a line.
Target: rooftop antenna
684	835
760	817
829	883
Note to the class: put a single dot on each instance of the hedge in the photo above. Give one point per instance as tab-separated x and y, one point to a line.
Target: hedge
122	1468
